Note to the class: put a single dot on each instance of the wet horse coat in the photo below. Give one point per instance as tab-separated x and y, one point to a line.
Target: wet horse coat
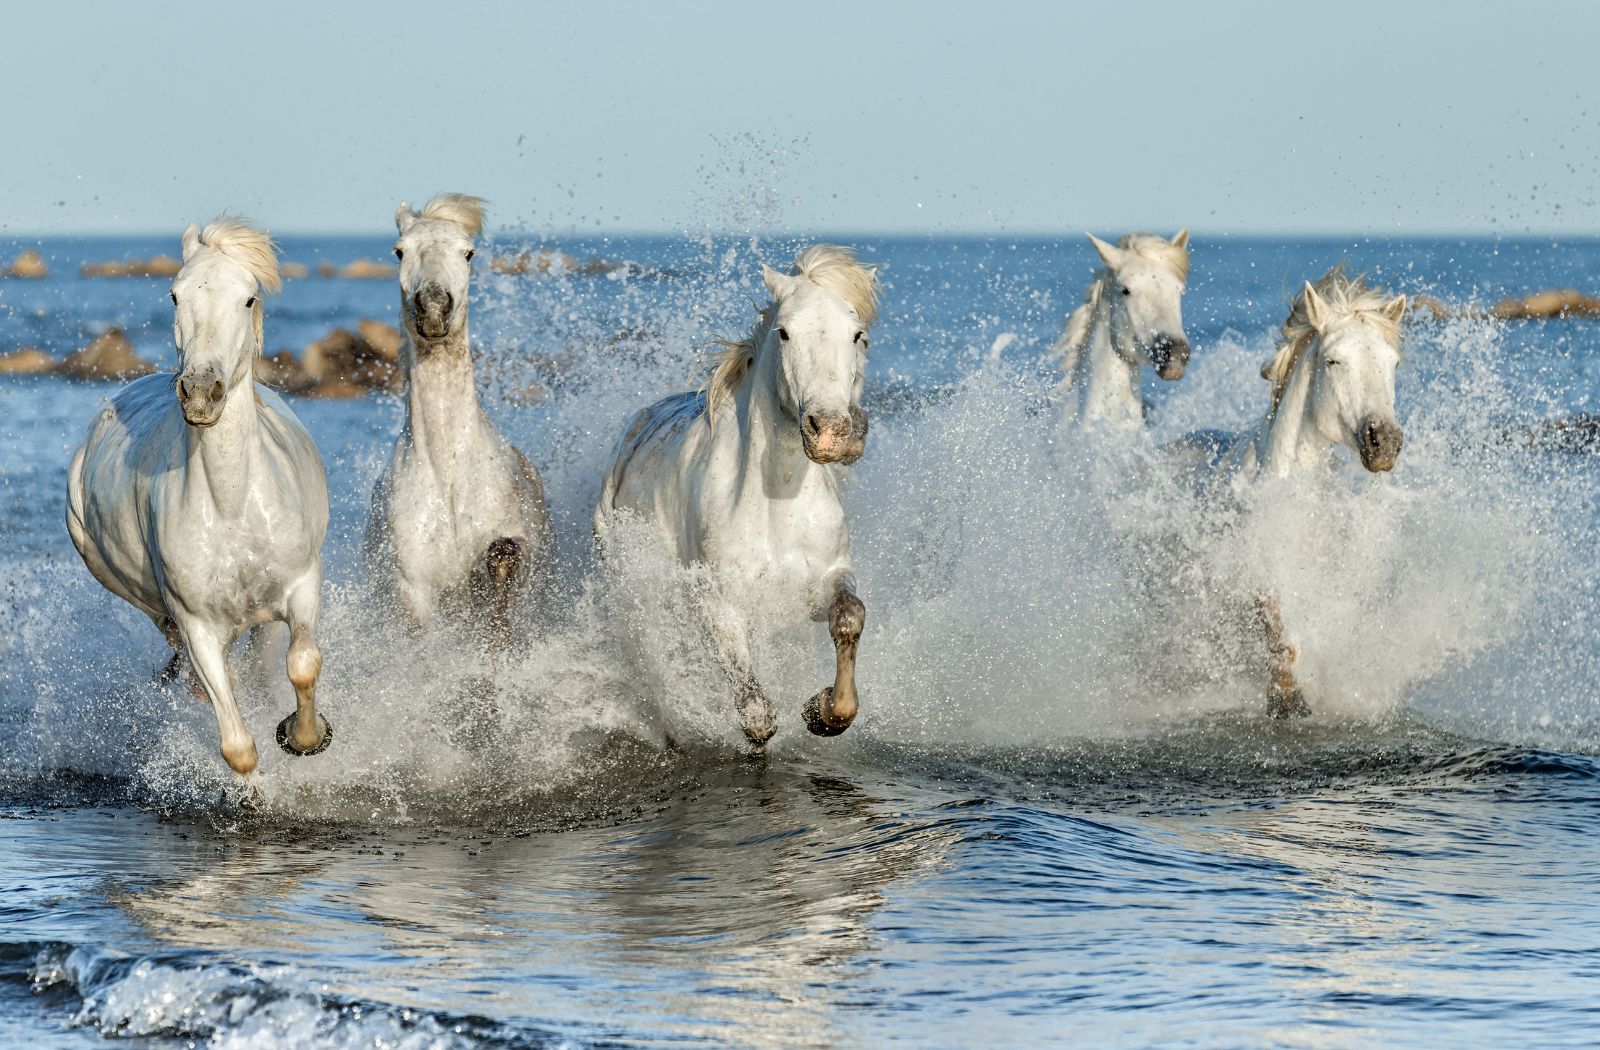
744	476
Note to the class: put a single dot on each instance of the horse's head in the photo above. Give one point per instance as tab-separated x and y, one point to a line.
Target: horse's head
1147	276
217	315
1356	352
819	322
435	251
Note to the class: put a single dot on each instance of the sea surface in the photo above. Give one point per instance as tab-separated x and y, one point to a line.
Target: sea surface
1062	816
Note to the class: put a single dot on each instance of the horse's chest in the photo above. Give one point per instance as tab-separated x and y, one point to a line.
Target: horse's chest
443	524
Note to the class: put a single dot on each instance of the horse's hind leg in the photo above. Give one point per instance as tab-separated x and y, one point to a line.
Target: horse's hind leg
831	711
180	664
1284	696
505	564
208	652
731	638
305	732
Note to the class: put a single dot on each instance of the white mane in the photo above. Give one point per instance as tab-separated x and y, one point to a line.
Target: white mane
1345	297
1150	246
461	209
252	248
834	268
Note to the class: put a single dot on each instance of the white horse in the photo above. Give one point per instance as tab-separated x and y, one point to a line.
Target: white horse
1333	380
458	524
203	502
744	476
1131	313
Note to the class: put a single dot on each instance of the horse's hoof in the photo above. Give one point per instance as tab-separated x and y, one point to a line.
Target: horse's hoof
812	713
1290	703
286	737
759	730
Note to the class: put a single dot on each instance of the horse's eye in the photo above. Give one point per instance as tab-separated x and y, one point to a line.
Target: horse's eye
398	254
783	333
250	303
174	297
470	253
1126	290
859	337
1332	362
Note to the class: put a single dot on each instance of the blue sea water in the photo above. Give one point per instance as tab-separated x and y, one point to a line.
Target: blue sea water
1061	818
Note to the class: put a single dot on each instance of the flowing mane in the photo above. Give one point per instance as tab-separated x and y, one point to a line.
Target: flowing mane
1345	297
1150	246
829	265
246	245
462	209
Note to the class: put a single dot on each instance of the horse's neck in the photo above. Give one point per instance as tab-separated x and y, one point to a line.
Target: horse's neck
221	458
771	462
1110	384
442	412
1286	440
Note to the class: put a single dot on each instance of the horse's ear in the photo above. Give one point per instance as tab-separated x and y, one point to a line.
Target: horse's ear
1110	254
1316	308
191	241
1395	308
778	284
1181	238
404	217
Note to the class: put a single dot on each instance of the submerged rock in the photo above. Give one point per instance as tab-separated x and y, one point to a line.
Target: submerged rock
368	270
29	265
108	356
1565	302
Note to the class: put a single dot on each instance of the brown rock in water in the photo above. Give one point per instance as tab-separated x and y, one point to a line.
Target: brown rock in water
293	271
381	336
545	260
367	270
156	266
108	356
346	357
29	265
282	371
1565	302
26	361
326	269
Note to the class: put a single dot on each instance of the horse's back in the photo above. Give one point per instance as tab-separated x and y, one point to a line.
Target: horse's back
640	463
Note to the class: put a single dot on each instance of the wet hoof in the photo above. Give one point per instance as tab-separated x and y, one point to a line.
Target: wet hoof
758	721
286	737
812	713
1288	704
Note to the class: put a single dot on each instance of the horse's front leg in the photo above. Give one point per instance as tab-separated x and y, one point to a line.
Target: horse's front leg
831	711
505	564
1284	696
730	636
304	732
208	653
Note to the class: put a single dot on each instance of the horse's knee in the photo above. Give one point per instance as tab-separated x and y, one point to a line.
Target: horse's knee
304	661
847	619
504	559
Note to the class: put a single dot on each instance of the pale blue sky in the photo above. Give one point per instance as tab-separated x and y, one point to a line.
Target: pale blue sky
808	116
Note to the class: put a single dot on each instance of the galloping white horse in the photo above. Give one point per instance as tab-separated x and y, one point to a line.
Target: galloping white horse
1332	382
1132	312
743	476
203	502
458	522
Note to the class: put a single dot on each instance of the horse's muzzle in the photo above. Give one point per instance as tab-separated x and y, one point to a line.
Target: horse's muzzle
1169	356
830	438
1379	444
200	395
431	308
